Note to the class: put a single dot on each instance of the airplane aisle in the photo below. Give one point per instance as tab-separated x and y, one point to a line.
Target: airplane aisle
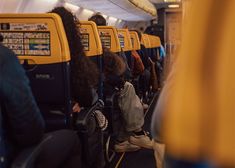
143	158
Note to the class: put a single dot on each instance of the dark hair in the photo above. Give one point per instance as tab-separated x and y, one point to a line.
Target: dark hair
114	68
113	64
1	38
84	72
141	29
98	19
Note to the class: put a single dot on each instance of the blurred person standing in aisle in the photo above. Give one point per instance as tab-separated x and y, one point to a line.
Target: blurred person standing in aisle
195	116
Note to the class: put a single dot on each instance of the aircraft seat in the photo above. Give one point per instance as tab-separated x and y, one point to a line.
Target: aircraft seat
155	43
40	42
92	47
41	45
126	44
135	40
110	40
146	42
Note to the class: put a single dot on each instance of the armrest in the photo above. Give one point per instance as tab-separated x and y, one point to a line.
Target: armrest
109	99
82	118
27	157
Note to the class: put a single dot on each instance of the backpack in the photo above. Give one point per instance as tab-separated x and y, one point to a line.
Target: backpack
131	107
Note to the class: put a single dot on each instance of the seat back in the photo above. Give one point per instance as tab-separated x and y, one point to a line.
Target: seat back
135	40
109	38
92	46
155	41
154	45
145	41
90	38
126	44
40	42
125	39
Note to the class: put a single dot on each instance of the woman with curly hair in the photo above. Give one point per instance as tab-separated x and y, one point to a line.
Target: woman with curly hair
84	73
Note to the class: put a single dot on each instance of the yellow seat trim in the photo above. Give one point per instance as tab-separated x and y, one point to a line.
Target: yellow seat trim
44	39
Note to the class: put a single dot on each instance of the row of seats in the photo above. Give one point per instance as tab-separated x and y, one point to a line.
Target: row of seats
94	37
40	42
117	40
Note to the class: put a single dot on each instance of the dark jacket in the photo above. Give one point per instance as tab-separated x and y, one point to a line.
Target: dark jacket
22	122
144	57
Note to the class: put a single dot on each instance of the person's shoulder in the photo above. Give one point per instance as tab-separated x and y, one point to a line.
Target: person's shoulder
6	54
4	49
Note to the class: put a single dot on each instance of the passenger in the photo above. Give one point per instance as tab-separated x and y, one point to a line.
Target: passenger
155	29
98	19
147	78
143	53
194	115
84	73
152	28
141	29
21	123
116	72
138	67
137	72
132	136
101	21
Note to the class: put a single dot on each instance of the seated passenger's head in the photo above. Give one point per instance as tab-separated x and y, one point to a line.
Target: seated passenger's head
153	21
113	64
71	29
98	19
84	72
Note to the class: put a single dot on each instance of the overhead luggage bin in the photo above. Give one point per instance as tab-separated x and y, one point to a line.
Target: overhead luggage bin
135	40
125	39
90	38
145	40
109	38
128	10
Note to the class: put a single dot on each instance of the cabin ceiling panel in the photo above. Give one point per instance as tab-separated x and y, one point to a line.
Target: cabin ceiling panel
26	6
157	1
121	9
11	6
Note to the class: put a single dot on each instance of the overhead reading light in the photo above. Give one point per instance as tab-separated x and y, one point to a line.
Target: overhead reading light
71	7
172	1
105	16
174	6
88	12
